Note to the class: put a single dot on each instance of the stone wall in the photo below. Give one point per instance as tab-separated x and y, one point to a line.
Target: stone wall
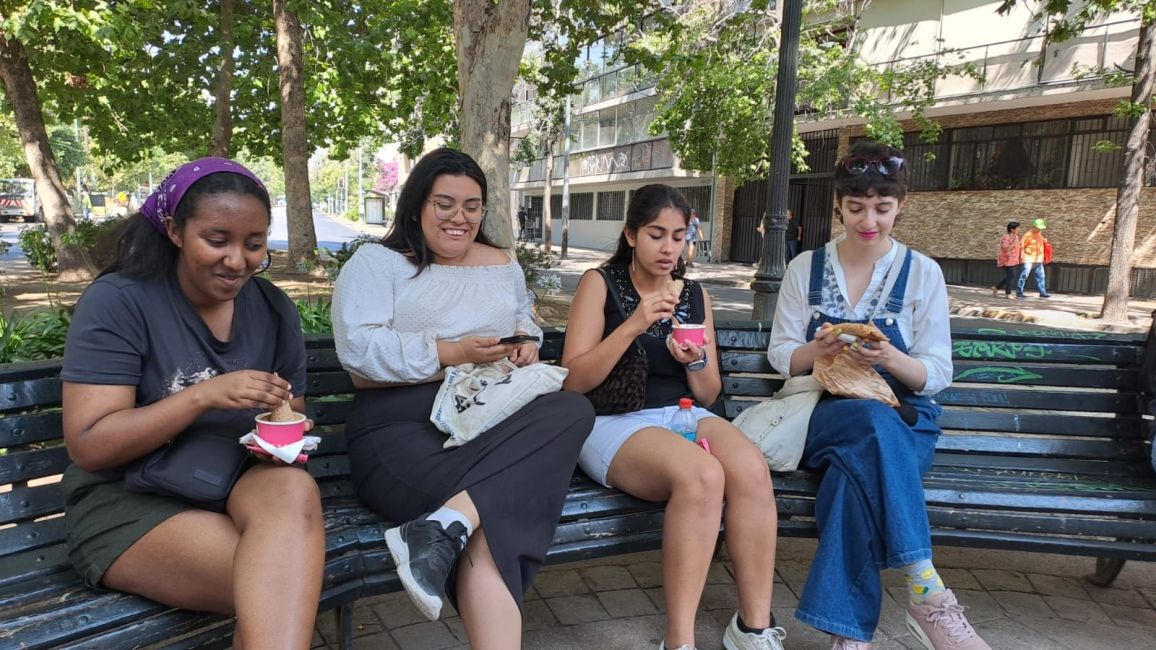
721	239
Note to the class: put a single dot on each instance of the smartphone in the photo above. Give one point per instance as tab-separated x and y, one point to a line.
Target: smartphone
517	338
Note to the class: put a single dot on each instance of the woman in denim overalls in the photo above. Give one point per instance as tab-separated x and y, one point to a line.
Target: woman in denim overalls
870	504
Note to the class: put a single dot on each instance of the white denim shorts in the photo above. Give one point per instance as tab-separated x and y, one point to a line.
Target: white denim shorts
611	432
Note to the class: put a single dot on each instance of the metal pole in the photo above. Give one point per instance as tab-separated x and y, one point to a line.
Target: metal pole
713	203
360	184
769	277
566	183
79	190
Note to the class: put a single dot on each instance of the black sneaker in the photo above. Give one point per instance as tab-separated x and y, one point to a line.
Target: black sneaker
425	554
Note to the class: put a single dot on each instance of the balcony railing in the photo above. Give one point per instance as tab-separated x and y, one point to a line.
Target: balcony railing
1027	62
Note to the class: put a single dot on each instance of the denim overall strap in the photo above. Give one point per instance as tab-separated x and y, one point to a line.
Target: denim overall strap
899	291
818	261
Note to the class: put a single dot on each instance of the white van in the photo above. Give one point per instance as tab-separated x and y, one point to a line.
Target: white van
18	199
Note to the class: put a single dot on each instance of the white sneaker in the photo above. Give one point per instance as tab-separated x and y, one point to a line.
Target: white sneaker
685	646
843	643
769	639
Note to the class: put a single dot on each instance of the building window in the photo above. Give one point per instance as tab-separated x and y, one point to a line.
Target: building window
611	206
581	206
1055	154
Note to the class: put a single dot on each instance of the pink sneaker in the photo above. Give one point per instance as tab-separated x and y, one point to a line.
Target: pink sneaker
843	643
939	624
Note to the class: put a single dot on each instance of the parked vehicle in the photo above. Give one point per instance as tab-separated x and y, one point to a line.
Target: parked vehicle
18	199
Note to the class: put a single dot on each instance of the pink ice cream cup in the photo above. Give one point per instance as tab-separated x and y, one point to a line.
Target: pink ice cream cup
689	333
281	433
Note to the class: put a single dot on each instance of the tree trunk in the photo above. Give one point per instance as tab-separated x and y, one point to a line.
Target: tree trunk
22	95
489	37
1131	182
294	139
547	218
223	88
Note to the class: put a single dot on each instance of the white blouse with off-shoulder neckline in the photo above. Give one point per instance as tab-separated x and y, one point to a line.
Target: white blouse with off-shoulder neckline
386	322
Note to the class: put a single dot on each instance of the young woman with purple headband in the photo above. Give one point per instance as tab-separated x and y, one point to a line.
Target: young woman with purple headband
174	338
870	505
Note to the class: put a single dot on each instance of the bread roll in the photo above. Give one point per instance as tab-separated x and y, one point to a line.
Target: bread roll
865	331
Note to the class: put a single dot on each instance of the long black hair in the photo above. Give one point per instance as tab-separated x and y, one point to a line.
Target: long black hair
863	184
405	234
143	252
647	202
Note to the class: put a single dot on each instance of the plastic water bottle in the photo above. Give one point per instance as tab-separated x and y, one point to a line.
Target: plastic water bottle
683	421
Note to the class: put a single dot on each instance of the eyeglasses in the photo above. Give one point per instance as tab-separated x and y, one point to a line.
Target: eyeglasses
856	165
445	210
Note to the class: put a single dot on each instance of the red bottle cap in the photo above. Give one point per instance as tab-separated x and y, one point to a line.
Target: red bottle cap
685	403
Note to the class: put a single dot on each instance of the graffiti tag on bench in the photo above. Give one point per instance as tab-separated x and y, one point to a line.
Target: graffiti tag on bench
998	374
998	350
1052	334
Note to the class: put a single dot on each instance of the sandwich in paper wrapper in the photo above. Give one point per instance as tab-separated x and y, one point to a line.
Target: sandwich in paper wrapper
840	375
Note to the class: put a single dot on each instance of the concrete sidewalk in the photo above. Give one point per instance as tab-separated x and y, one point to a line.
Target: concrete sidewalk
1017	601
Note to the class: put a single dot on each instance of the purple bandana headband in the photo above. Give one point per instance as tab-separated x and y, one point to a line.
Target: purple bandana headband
163	202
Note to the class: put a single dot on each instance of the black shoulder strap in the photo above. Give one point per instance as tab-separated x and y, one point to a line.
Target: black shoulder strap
614	295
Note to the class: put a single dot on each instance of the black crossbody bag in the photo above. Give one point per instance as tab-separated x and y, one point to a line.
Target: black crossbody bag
624	389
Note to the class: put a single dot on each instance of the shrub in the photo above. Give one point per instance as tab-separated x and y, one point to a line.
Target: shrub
33	336
536	263
316	315
37	244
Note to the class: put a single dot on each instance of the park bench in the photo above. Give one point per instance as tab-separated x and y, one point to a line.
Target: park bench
1044	449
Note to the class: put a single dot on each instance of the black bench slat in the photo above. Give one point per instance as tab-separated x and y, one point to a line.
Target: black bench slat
969	349
1080	546
1034	445
30	536
1047	423
29	393
1093	467
1015	422
28	428
1031	374
981	396
24	465
329	382
1051	400
25	503
1045	375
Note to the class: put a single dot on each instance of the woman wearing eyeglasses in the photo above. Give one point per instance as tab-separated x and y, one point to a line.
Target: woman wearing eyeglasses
436	292
870	505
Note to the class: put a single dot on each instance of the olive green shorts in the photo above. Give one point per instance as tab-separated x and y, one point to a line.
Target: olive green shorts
104	519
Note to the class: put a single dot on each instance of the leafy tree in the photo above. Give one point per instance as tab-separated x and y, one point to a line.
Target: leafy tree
717	62
1064	24
23	96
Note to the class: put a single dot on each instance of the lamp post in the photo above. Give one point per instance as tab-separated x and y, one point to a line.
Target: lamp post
769	277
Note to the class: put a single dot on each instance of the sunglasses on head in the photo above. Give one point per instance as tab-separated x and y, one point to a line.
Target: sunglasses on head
856	165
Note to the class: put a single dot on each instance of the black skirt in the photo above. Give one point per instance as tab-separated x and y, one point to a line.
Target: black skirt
517	473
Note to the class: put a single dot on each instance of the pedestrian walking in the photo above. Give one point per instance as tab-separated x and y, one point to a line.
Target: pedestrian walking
693	236
793	235
1010	252
1034	244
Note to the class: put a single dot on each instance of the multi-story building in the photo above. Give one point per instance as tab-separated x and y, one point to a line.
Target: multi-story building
611	154
1024	140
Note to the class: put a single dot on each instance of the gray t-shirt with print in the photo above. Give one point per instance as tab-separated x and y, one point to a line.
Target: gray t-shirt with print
145	333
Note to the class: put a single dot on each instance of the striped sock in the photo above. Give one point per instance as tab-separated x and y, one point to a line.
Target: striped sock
922	580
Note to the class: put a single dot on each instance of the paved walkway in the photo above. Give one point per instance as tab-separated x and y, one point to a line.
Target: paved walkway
1018	601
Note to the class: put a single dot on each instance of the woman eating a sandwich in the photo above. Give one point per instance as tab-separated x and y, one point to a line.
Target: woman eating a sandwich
636	302
870	504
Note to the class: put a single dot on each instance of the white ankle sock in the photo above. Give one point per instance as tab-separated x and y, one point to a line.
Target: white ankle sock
446	516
